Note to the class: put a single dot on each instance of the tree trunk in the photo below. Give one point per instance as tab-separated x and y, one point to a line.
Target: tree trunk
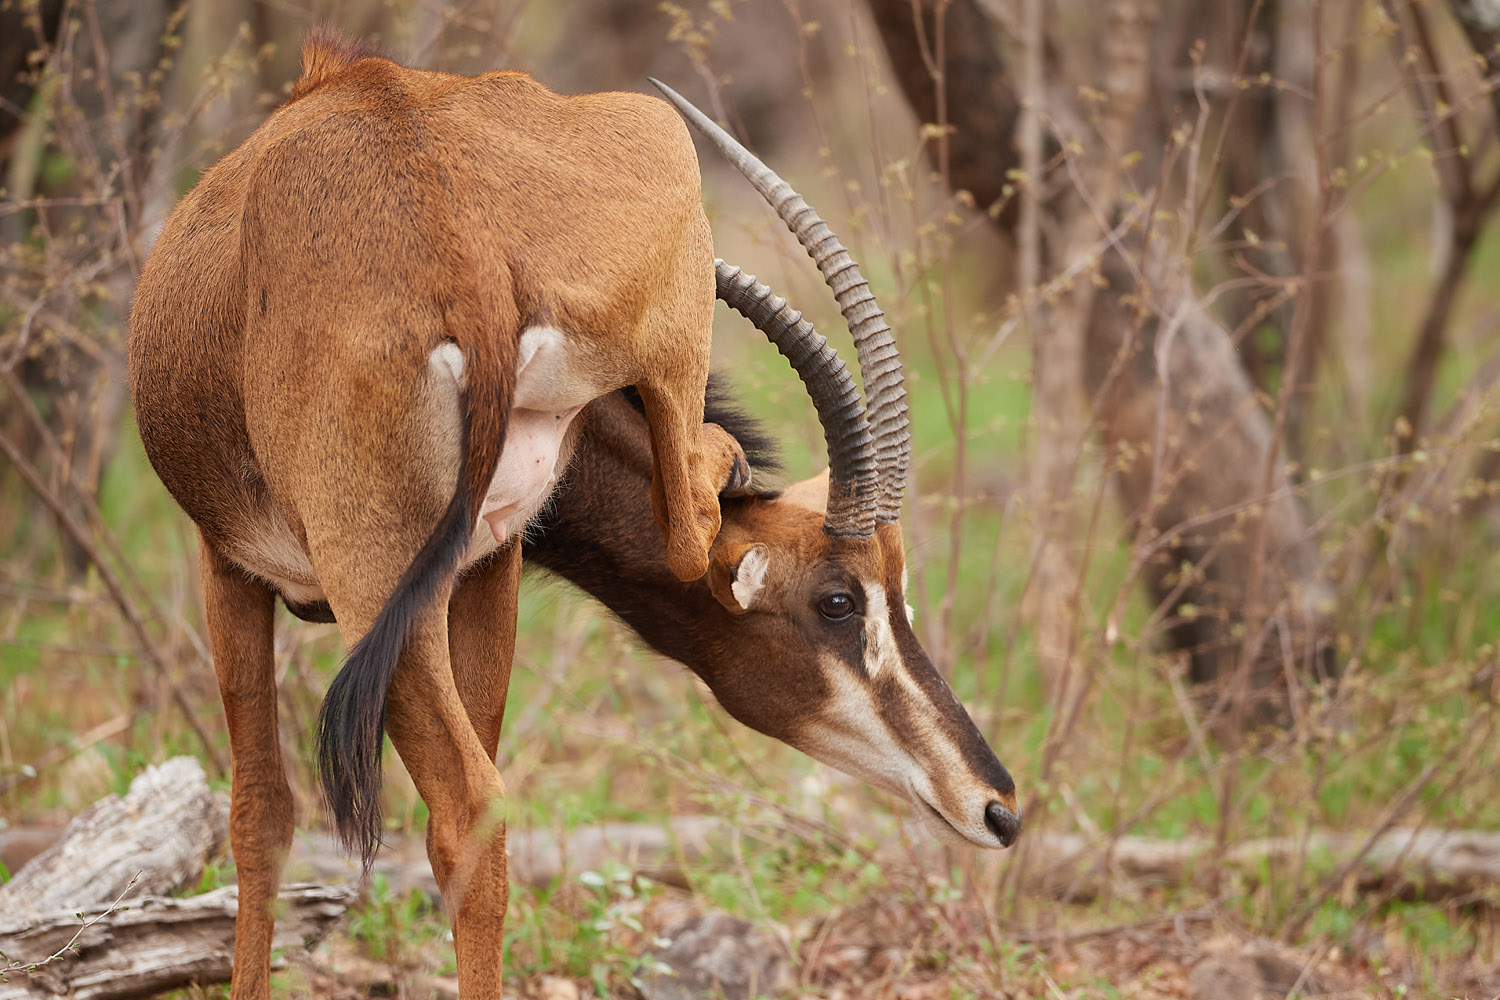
1206	476
1182	409
24	30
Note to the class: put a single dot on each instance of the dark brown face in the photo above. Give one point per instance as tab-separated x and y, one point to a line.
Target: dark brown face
821	655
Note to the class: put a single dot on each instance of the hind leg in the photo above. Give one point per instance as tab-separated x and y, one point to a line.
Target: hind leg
468	858
239	612
456	777
481	645
361	542
691	463
430	728
482	640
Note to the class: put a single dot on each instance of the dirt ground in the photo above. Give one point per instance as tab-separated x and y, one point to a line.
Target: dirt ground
884	951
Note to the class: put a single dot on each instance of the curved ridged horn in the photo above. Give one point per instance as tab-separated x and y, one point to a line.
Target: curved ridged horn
879	361
851	452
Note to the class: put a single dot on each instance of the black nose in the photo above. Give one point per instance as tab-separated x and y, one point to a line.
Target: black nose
1002	823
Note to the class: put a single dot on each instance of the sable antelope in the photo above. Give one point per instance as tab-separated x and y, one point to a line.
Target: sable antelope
347	316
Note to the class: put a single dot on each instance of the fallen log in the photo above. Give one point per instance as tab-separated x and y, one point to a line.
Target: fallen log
160	835
1429	863
537	856
148	945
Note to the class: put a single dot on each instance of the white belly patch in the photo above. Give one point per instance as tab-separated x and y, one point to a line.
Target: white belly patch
551	387
527	471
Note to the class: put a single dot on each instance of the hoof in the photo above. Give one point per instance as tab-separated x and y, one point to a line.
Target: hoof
737	484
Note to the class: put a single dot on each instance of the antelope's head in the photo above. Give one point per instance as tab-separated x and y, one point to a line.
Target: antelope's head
814	578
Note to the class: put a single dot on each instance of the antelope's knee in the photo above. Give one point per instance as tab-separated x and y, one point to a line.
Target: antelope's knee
461	832
688	547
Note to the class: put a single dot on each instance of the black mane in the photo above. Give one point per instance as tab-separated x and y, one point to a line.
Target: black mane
721	407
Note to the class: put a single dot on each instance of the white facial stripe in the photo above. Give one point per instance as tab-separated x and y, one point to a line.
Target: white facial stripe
911	612
936	769
850	734
750	575
945	759
880	645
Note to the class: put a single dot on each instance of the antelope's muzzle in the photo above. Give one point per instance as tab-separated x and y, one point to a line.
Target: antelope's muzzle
1003	823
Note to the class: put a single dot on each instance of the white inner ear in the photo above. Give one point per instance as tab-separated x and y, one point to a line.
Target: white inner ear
911	612
750	575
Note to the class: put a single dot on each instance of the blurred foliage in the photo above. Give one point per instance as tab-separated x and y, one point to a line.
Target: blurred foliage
599	730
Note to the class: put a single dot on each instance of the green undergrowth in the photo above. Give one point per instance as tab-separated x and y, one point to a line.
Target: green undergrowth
599	730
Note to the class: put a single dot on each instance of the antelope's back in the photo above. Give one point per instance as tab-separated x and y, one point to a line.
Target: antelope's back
571	209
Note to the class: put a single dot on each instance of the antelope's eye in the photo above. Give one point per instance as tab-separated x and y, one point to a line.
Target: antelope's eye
836	607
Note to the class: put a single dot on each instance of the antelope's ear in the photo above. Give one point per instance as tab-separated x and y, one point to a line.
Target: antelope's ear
737	575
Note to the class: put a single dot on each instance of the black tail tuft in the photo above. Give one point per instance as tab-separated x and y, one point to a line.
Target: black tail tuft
351	725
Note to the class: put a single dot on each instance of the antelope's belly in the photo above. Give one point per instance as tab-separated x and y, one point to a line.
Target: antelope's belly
555	378
535	452
528	469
